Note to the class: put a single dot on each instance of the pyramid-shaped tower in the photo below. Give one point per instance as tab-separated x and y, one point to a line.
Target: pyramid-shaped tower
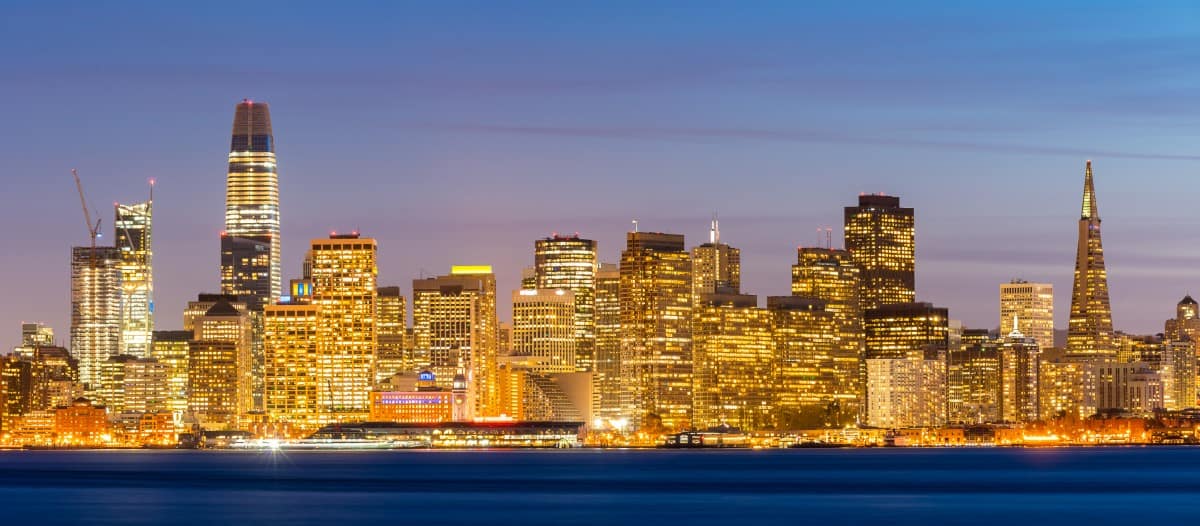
1090	330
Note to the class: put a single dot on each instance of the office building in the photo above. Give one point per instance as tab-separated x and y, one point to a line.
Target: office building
832	276
1186	323
973	379
569	263
219	367
251	209
544	329
344	287
716	266
454	317
907	391
816	386
133	227
608	342
1020	359
892	331
734	366
171	348
1090	330
95	310
879	233
394	355
1032	305
291	369
656	339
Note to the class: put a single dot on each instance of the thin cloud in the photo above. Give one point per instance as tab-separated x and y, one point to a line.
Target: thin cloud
799	136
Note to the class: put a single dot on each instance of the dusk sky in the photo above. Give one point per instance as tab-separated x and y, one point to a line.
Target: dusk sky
457	133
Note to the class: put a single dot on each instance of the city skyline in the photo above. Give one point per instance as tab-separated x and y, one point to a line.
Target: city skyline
1018	197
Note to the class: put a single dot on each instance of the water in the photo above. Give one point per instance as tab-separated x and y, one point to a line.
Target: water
738	488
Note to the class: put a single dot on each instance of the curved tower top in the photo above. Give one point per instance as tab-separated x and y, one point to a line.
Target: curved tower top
250	245
252	128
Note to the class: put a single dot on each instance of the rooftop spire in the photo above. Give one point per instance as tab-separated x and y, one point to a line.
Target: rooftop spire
714	231
1089	196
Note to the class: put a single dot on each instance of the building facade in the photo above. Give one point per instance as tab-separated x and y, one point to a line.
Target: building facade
734	366
656	338
1032	306
1090	329
454	317
133	227
252	208
879	234
569	263
95	310
544	329
344	275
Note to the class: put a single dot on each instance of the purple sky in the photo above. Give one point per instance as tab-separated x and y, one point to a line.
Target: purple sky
460	132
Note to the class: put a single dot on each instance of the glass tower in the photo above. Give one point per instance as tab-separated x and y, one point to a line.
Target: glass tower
133	228
252	207
95	310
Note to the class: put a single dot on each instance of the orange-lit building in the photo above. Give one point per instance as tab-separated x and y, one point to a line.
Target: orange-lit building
81	423
426	403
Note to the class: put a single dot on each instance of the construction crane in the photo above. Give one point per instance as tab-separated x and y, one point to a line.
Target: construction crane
93	229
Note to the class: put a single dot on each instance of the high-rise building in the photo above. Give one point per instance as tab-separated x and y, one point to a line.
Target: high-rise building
219	367
454	317
1020	359
569	262
133	228
907	391
608	342
879	233
34	335
134	385
814	388
246	268
892	331
716	266
344	287
95	310
1067	386
1186	323
1090	330
196	309
973	379
291	372
251	207
171	348
393	355
656	331
1032	305
832	276
544	329
1173	360
734	366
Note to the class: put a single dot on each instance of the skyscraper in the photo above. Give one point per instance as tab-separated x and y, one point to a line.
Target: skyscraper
251	207
1020	358
1089	330
219	367
832	276
880	235
543	329
1032	305
133	228
895	330
393	354
569	262
656	329
454	317
716	266
291	395
95	310
608	341
814	388
344	287
734	368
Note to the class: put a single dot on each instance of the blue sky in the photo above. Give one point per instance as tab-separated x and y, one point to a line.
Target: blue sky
459	132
